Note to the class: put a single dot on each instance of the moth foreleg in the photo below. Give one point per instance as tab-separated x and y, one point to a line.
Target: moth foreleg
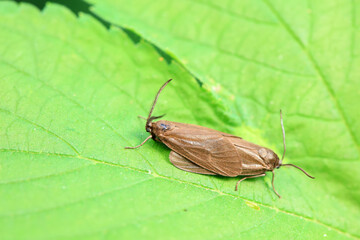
140	143
272	183
255	176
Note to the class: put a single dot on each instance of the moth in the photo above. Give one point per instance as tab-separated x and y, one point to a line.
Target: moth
203	150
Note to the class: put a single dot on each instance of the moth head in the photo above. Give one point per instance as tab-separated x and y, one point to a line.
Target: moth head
149	123
275	161
149	126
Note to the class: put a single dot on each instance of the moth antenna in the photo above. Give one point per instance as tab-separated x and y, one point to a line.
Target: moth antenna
155	100
289	164
140	143
283	132
155	117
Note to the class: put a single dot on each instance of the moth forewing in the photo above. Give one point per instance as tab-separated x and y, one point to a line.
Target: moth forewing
255	157
205	147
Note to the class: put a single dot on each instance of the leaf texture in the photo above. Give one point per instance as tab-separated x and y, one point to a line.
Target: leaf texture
71	91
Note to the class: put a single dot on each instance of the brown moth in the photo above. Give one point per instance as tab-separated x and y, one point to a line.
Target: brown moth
206	151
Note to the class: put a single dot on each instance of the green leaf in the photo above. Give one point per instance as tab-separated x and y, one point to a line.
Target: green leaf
299	56
71	91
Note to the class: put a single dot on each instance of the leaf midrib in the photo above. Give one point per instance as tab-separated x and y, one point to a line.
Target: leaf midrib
156	175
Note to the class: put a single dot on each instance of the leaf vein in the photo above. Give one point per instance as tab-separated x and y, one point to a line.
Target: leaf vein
45	176
320	73
294	214
95	196
42	128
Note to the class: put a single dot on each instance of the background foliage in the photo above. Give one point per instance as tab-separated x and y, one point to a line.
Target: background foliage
75	75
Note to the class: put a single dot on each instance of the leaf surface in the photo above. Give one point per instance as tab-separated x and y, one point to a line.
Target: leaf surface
70	94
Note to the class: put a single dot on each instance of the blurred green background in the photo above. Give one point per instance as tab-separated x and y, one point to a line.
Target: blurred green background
74	76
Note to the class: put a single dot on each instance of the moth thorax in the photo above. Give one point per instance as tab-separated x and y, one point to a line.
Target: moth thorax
161	127
269	157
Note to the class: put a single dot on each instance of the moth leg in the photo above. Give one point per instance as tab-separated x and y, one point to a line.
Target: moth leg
255	176
140	143
272	182
142	117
